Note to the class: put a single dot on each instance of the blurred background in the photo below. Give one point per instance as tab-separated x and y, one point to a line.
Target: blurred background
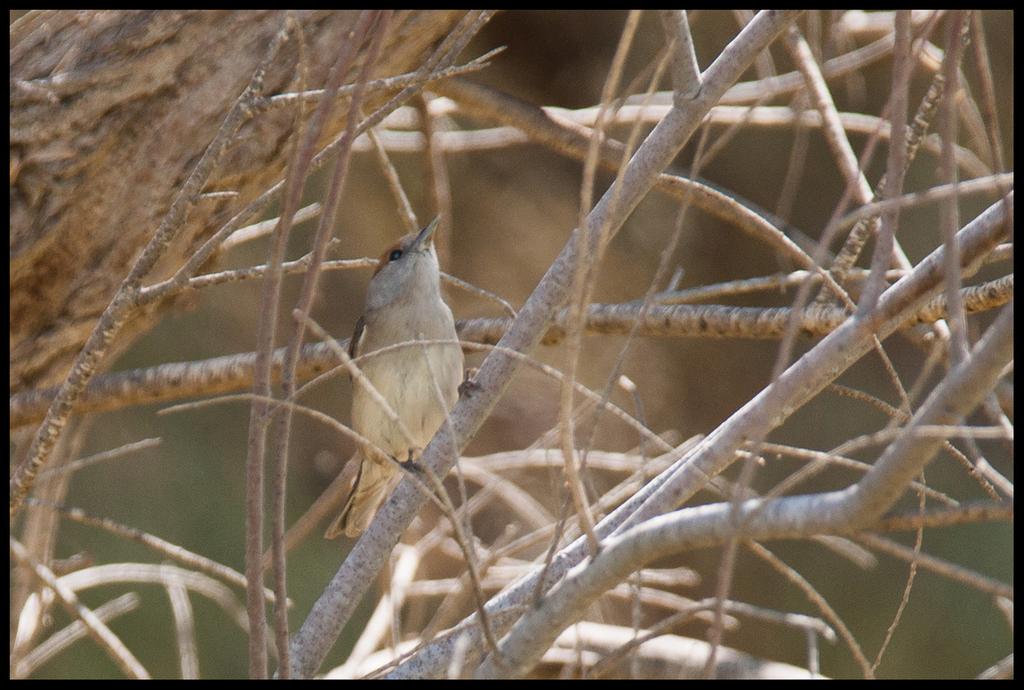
512	212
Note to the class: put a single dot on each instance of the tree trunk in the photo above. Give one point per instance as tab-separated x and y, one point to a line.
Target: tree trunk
109	112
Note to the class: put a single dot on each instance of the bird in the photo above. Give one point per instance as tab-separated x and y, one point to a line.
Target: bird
420	383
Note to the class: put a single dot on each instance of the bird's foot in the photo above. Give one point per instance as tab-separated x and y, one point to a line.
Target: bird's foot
414	467
412	461
469	384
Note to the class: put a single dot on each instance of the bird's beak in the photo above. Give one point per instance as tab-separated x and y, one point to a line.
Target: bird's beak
425	237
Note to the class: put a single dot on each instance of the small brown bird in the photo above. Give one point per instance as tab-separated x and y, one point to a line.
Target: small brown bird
419	382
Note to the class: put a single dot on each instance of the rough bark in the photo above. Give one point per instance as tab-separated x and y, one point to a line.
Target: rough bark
109	110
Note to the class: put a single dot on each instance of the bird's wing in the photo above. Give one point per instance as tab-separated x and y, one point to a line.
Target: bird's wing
357	336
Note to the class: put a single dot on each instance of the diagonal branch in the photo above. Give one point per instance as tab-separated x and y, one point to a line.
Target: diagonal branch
318	633
709	525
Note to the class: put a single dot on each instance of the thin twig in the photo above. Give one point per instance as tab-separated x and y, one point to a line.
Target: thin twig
64	638
588	257
949	213
405	212
184	628
380	23
896	164
437	179
939	566
265	227
98	630
425	74
686	78
387	84
160	546
828	613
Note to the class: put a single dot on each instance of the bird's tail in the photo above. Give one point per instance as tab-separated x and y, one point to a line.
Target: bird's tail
368	490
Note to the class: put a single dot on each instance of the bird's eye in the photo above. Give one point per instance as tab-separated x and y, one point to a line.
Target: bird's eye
395	255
